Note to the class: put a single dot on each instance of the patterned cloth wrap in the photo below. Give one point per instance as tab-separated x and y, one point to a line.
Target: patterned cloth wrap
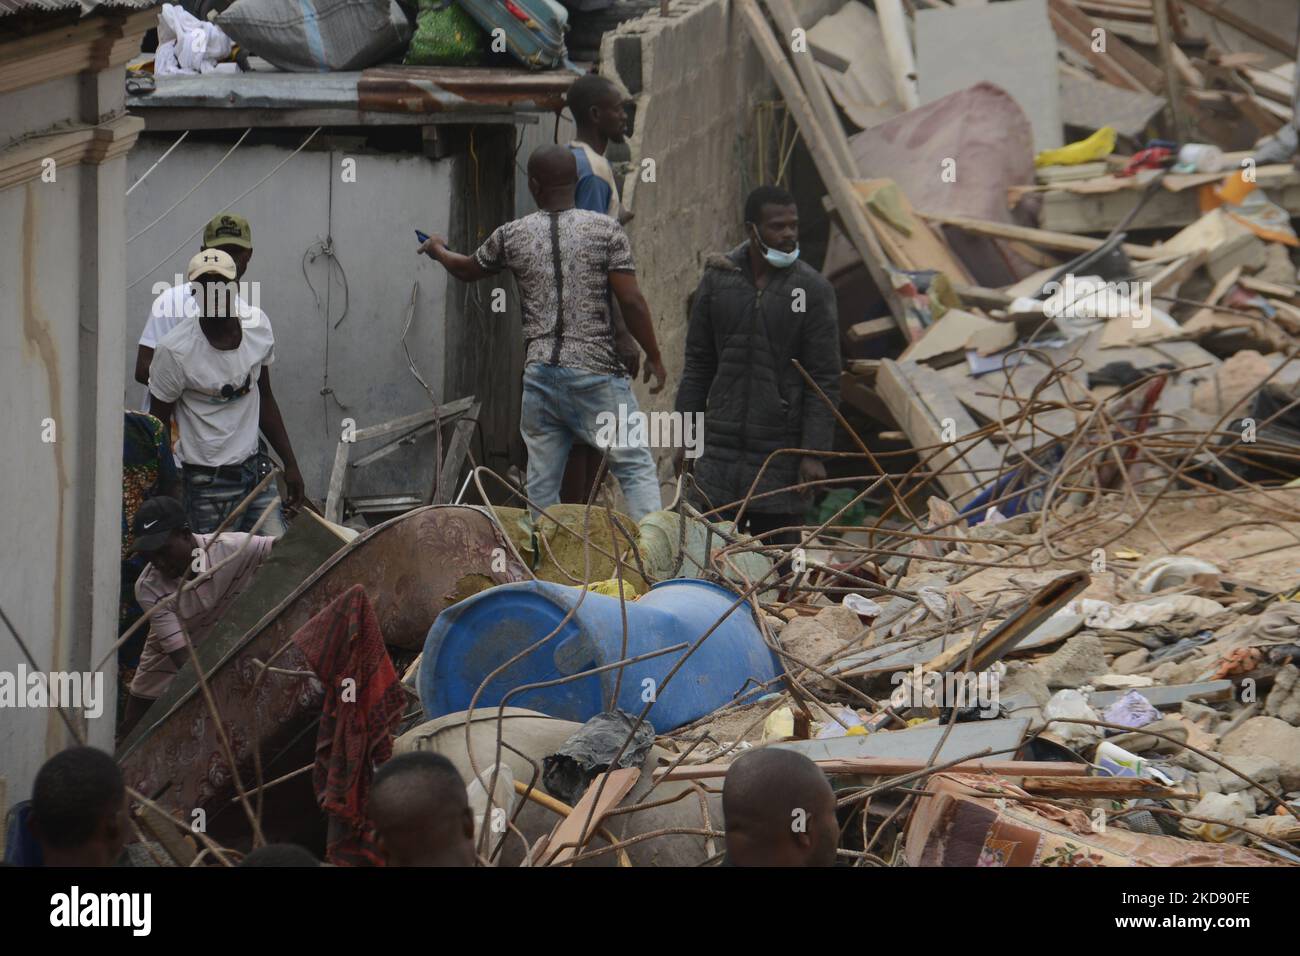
362	708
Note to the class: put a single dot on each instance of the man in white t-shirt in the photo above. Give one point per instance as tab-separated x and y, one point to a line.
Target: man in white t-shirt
213	374
229	233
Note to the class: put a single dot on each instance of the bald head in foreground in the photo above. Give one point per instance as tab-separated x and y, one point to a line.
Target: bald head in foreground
779	810
552	176
421	812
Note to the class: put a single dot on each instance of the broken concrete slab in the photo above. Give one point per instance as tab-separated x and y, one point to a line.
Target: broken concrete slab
1284	699
1268	737
1073	665
1009	44
999	737
1128	662
1169	696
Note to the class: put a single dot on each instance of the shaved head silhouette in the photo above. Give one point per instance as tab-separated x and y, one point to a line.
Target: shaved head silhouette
779	810
552	176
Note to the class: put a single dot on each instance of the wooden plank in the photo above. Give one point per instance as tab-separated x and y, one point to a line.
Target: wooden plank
383	451
921	402
814	87
1191	76
1138	32
923	249
858	394
857	226
1271	85
1066	212
865	91
1132	62
1039	237
1244	25
860	332
1114	788
947	339
1049	599
898	48
1173	275
892	767
442	491
864	369
338	484
1081	43
444	412
618	784
1164	41
1000	396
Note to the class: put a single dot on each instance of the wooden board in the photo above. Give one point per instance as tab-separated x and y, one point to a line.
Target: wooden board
865	91
618	784
1064	210
920	250
1118	56
1040	237
920	401
1112	788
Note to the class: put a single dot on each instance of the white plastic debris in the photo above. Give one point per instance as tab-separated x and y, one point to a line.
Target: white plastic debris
1071	705
862	606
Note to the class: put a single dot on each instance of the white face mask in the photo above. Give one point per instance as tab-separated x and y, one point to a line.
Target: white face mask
775	257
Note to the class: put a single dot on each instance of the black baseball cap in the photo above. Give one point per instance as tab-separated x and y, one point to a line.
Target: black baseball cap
156	519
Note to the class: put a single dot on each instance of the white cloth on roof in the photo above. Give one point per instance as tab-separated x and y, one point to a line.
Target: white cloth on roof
188	46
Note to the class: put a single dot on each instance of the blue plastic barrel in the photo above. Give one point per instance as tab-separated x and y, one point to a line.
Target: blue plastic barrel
472	638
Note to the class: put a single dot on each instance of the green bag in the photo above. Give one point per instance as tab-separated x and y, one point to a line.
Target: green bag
445	35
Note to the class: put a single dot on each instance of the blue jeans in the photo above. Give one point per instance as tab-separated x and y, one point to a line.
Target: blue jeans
561	406
209	498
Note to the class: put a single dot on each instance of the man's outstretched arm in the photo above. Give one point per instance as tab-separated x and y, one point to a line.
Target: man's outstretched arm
464	268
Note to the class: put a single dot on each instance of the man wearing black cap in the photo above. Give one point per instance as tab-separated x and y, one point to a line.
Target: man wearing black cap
194	577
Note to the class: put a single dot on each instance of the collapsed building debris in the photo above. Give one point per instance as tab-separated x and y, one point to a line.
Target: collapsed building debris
1041	612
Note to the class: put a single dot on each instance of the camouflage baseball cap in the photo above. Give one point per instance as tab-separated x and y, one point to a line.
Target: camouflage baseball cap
228	229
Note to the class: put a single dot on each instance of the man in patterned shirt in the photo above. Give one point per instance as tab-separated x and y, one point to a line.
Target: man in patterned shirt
566	261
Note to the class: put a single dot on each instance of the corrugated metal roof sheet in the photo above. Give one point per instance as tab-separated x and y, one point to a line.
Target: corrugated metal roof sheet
388	89
8	7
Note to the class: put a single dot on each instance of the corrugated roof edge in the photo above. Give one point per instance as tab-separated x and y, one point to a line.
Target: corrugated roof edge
88	7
